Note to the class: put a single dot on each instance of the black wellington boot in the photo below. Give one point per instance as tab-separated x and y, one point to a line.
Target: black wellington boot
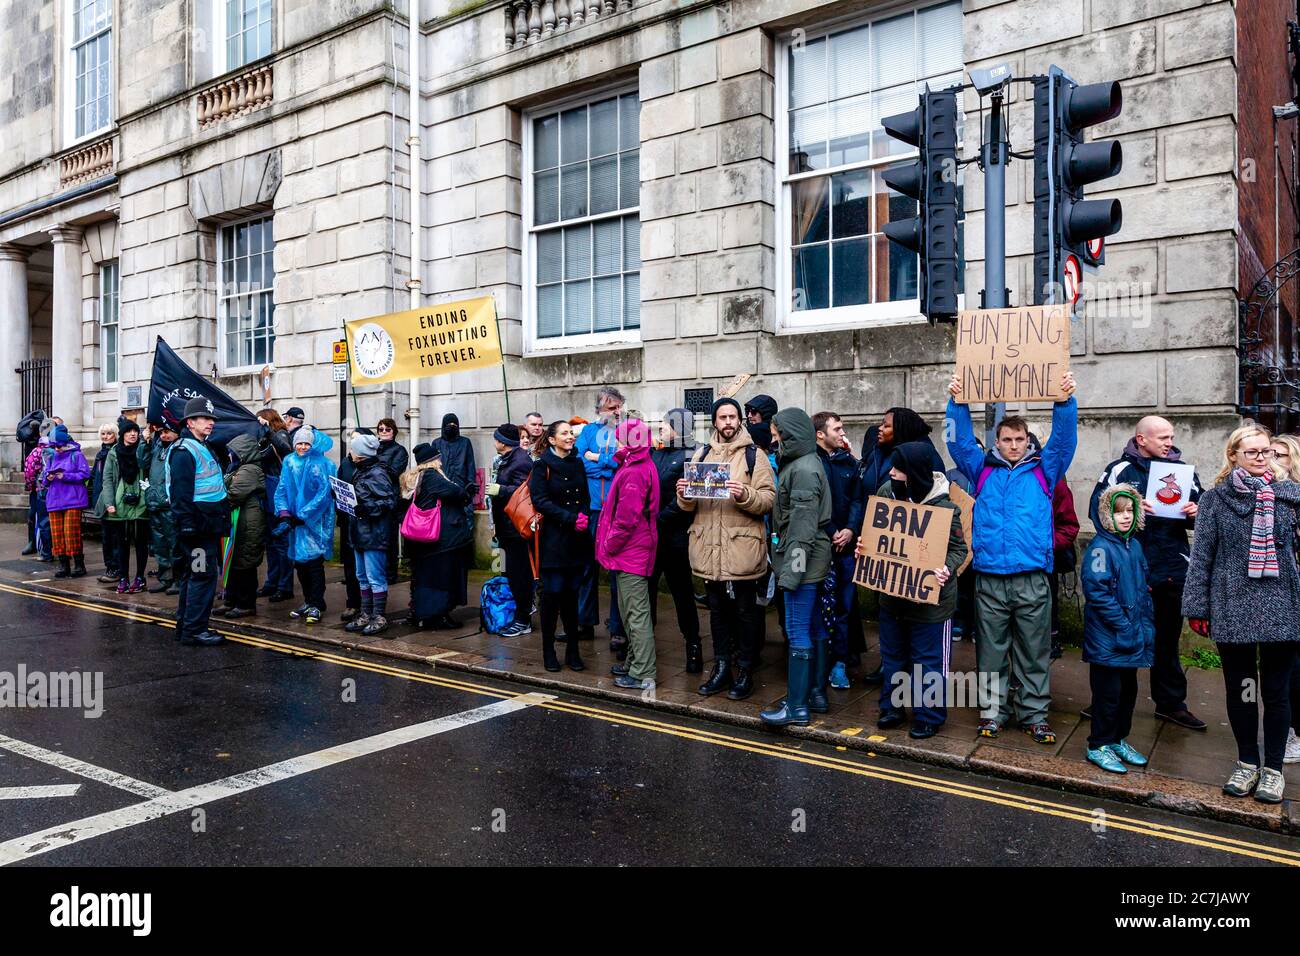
79	566
821	654
694	657
549	660
572	660
794	709
719	679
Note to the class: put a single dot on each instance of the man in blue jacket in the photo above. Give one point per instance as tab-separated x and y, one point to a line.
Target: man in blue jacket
595	447
1012	541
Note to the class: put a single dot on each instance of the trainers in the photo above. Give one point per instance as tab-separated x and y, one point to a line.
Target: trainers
300	611
377	625
136	586
123	586
1042	733
839	677
1292	748
1106	759
313	615
989	727
1125	752
357	624
521	628
108	577
1271	785
1242	781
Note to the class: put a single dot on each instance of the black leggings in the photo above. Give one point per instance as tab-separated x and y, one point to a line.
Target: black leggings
561	603
135	532
1246	686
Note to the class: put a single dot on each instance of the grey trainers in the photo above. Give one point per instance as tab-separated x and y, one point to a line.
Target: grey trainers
1271	785
1292	748
1242	781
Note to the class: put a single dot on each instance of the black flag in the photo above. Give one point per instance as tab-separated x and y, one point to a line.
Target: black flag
174	383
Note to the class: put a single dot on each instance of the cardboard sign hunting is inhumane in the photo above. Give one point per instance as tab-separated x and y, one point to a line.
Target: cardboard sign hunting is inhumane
901	546
1013	355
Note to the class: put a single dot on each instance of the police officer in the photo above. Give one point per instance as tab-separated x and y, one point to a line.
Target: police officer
197	493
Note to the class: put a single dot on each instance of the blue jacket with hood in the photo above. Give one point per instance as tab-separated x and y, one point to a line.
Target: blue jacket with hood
304	492
1118	615
596	437
1012	530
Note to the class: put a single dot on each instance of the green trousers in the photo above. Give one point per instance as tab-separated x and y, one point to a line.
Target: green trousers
634	609
1014	618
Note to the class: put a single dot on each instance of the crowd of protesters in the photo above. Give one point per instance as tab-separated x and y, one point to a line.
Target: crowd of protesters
572	501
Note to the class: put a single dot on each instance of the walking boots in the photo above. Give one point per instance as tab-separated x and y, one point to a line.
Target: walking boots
65	568
79	566
742	685
719	679
794	709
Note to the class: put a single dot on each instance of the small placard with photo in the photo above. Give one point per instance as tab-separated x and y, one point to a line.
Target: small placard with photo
707	479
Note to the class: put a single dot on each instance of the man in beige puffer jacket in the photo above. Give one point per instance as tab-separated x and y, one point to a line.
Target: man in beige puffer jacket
728	549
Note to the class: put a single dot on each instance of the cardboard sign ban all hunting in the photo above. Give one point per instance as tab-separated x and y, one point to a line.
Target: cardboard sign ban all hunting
1013	355
900	547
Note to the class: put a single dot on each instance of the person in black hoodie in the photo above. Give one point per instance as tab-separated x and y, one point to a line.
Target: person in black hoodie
394	458
436	565
672	558
847	504
511	469
558	486
376	494
457	455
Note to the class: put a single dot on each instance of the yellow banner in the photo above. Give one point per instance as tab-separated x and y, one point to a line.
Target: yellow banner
436	340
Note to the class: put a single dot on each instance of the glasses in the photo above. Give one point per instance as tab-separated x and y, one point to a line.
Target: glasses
383	428
1255	454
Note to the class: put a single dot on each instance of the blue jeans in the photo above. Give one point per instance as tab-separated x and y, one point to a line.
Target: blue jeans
844	591
803	620
905	647
372	568
44	543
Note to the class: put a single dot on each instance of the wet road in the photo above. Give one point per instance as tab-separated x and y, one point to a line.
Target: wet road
250	754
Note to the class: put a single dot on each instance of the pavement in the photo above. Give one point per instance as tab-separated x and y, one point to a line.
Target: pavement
1186	770
279	751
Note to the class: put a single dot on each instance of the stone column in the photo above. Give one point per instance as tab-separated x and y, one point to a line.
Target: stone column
15	347
65	346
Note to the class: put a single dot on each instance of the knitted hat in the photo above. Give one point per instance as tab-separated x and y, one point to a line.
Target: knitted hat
60	436
682	422
423	452
725	401
364	446
304	434
507	434
124	425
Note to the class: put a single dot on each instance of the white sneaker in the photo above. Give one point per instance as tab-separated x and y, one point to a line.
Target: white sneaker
1292	748
1242	781
1271	785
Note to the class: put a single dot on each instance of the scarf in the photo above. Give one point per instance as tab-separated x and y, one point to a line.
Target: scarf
128	466
1261	562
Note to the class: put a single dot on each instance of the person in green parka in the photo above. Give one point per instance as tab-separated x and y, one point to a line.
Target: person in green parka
801	560
246	488
162	530
121	500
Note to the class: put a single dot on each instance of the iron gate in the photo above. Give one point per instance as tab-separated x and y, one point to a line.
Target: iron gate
38	379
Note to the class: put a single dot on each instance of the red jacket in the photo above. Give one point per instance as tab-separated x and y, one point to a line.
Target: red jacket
1065	523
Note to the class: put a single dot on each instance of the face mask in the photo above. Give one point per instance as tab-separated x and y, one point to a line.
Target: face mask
900	489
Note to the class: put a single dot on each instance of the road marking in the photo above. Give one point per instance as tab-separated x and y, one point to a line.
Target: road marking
81	768
38	793
920	781
57	837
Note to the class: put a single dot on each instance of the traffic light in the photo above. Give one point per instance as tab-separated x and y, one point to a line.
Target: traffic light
1070	231
932	181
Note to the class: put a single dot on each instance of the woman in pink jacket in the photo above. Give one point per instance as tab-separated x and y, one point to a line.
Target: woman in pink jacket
626	542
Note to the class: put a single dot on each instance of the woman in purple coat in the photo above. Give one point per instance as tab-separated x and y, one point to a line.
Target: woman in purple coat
64	481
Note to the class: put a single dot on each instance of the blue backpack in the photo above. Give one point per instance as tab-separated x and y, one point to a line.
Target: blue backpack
496	605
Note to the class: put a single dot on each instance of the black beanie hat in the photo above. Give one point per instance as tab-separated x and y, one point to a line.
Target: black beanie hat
913	459
713	416
423	452
507	434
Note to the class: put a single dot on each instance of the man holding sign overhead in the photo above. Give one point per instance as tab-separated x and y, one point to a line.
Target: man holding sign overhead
1012	541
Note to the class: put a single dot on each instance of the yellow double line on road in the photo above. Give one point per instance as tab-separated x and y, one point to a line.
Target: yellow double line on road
787	752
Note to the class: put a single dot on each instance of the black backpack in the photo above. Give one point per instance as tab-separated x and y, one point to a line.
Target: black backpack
751	453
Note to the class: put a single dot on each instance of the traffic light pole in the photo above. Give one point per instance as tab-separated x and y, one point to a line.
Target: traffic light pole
994	156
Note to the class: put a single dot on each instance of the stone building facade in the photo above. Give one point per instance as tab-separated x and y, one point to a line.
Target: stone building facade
660	194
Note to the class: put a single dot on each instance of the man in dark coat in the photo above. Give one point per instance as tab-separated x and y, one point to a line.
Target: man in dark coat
847	505
458	465
201	511
162	529
1165	547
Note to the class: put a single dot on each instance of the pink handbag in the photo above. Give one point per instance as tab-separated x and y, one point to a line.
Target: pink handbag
421	524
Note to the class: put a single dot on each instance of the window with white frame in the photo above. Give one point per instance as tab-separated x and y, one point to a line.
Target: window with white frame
108	320
91	66
246	306
836	85
584	233
246	29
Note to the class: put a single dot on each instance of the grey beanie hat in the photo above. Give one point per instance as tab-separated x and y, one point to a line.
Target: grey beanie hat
304	433
682	422
364	446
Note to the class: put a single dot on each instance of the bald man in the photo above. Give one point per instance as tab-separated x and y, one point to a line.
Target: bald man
1164	543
